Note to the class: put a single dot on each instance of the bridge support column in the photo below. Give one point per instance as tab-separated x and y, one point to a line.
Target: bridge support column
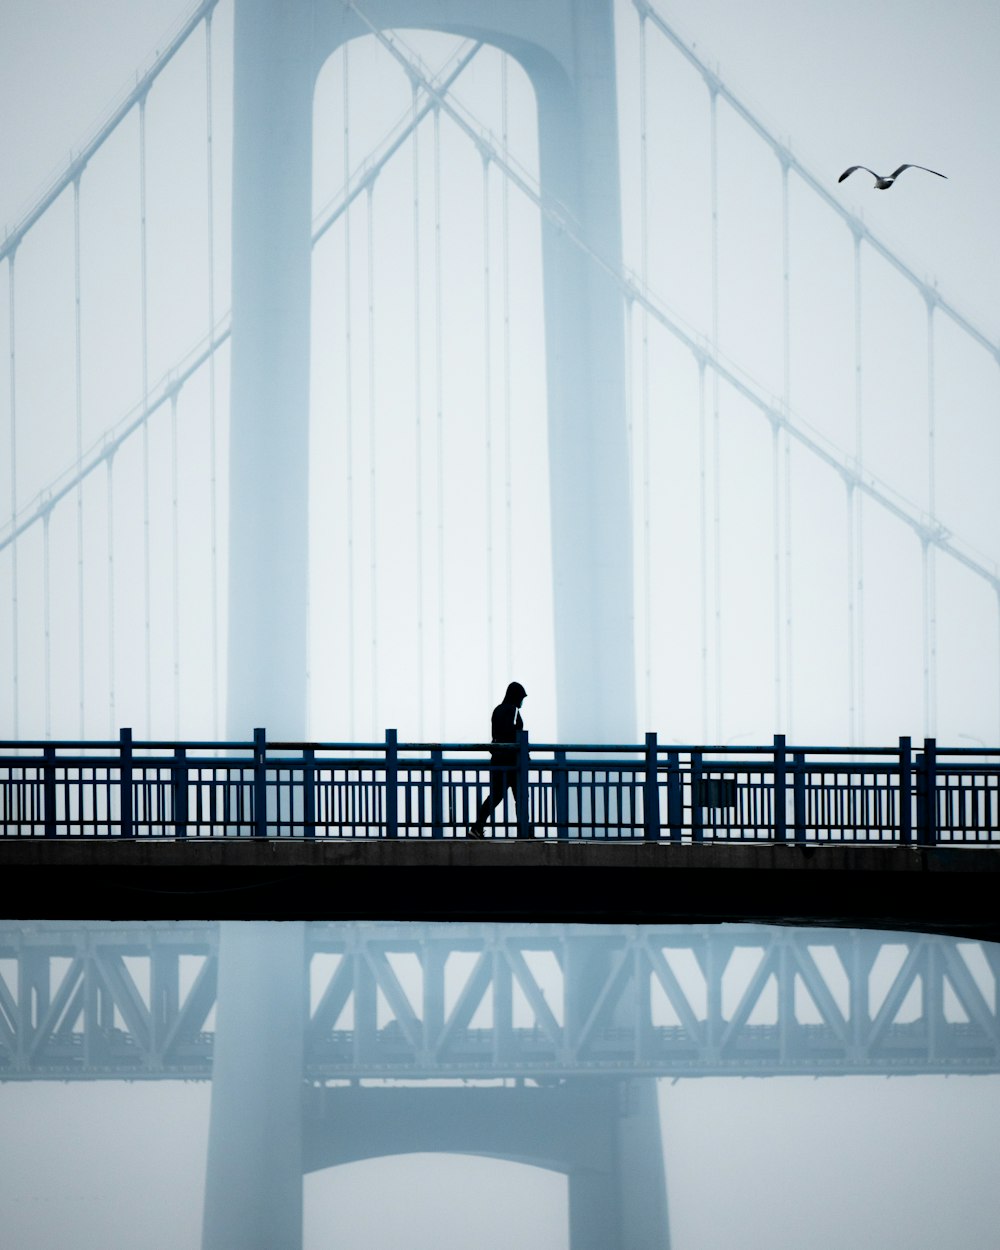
253	1187
273	79
585	362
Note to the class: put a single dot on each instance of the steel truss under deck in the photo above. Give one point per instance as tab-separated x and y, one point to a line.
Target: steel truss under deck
135	1001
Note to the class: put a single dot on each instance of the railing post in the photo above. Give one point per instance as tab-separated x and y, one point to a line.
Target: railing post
651	797
799	795
391	784
697	819
126	824
309	792
49	790
437	794
927	793
560	783
780	778
260	783
523	823
179	792
675	797
905	791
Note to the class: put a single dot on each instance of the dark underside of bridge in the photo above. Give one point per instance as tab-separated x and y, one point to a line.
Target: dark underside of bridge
952	890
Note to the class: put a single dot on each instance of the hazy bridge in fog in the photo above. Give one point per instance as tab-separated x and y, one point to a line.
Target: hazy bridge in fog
142	571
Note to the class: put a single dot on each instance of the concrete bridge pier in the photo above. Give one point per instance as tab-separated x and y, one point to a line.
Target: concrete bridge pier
253	1185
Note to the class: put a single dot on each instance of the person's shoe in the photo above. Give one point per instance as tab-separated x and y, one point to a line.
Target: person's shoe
475	831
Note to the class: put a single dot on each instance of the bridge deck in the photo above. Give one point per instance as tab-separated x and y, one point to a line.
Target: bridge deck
932	889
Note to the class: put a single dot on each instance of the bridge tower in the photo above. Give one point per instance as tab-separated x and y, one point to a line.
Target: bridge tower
567	49
268	1127
256	1161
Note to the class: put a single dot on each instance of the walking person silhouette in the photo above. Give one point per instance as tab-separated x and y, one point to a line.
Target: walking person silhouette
505	723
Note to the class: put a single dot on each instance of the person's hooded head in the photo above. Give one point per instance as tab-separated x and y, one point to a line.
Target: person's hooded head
516	694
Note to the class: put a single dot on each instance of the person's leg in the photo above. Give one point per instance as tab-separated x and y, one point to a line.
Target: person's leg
498	786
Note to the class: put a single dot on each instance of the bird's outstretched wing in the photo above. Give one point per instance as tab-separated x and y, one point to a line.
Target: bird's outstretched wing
896	173
847	172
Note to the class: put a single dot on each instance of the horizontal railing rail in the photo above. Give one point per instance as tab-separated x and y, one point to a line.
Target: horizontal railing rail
391	789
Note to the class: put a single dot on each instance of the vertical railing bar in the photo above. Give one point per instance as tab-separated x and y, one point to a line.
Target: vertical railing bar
309	792
49	790
259	783
651	795
179	792
125	783
391	783
697	820
799	795
778	789
437	812
523	822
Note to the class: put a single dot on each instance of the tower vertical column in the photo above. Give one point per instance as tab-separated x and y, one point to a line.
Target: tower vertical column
585	359
642	1185
253	1185
273	79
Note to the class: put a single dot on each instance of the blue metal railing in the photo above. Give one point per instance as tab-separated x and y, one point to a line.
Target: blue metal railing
390	789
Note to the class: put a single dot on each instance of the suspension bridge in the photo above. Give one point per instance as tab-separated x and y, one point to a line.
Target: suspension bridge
276	460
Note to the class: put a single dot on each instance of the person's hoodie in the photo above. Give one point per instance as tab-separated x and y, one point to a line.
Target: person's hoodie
507	721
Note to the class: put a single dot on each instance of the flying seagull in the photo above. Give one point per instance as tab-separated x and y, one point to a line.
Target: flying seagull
883	184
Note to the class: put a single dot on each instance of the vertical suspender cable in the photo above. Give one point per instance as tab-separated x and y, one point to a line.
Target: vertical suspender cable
859	533
488	420
998	671
851	506
644	265
418	410
13	498
78	369
507	452
112	710
349	410
145	425
703	541
176	564
210	223
776	432
929	552
439	416
789	596
47	620
716	432
372	449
